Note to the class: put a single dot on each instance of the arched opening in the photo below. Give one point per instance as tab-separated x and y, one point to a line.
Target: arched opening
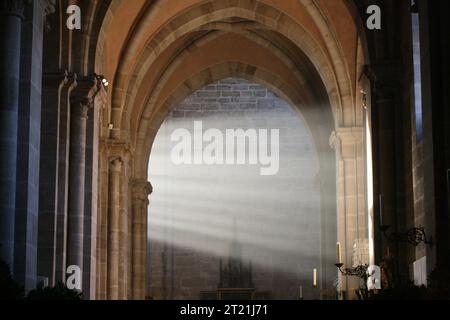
208	211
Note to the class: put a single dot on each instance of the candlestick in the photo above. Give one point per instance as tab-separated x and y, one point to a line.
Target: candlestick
338	252
315	278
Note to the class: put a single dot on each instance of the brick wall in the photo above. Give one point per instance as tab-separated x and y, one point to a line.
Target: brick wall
229	97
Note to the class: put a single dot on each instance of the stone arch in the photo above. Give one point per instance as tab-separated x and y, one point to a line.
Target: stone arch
319	132
155	114
284	25
190	178
306	48
178	60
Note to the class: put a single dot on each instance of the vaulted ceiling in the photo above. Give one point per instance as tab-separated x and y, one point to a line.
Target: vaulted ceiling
155	53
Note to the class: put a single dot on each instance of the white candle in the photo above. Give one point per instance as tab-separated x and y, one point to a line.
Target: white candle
338	252
315	278
301	293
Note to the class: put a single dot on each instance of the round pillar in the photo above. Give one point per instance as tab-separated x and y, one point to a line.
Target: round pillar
115	172
11	15
141	190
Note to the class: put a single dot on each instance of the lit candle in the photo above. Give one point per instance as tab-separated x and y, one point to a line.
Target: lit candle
338	252
315	278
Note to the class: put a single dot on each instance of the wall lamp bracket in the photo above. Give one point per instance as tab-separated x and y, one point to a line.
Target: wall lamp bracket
413	236
360	271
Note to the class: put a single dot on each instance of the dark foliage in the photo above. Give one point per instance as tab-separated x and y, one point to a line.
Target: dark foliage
9	289
404	292
59	292
439	282
438	288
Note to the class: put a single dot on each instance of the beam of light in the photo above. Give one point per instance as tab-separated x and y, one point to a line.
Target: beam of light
275	219
370	208
253	236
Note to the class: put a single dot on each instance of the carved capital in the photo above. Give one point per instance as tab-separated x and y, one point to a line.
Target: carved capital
115	164
13	8
141	189
118	148
347	142
101	97
48	7
83	95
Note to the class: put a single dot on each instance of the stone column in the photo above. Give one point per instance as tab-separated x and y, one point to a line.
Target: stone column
11	15
52	85
125	241
92	192
102	210
81	101
102	238
392	173
115	172
62	180
141	190
352	218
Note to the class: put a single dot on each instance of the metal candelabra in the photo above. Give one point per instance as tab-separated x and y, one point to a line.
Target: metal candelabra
413	236
360	271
